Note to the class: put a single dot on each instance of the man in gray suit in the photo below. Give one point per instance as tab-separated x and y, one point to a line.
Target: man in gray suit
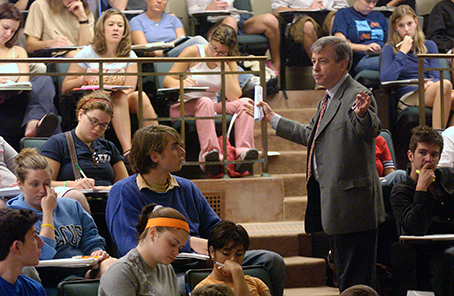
344	192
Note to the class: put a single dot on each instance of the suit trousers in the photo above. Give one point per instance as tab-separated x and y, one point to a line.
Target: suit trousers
355	257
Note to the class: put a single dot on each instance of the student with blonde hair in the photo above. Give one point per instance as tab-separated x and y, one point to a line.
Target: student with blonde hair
65	227
400	62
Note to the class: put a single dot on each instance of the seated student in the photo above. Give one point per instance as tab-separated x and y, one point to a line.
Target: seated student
213	290
97	157
156	153
440	28
385	164
66	229
113	40
58	23
266	24
146	269
20	247
305	29
400	62
7	164
424	204
223	42
35	107
365	31
227	244
7	177
154	25
447	156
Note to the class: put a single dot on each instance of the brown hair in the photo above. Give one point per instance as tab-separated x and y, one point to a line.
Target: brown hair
56	6
29	159
10	12
145	141
155	211
425	134
394	37
227	36
96	100
99	38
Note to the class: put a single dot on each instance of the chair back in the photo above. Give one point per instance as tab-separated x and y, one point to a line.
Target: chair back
195	276
161	68
85	287
386	134
32	142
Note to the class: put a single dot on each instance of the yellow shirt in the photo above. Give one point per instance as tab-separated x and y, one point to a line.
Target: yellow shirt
255	285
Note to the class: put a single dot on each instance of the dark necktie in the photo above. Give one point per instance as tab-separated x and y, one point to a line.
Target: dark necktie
311	150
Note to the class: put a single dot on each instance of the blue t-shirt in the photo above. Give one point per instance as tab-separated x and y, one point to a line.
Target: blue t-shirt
164	30
360	28
24	286
56	148
405	66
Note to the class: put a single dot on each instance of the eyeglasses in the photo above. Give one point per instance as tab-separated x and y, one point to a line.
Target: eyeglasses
215	49
94	157
94	122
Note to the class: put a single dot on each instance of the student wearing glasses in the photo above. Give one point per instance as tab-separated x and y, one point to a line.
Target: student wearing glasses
222	42
98	158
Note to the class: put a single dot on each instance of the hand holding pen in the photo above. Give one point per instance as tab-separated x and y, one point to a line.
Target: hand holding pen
362	103
58	40
406	44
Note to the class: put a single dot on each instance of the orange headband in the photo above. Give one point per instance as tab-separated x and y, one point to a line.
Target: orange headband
168	222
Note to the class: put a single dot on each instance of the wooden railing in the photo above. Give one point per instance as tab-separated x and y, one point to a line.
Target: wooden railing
140	75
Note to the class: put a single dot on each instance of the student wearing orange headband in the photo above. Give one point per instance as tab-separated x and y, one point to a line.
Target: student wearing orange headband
146	269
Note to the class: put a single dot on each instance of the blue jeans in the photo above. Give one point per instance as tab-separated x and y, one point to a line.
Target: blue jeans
368	63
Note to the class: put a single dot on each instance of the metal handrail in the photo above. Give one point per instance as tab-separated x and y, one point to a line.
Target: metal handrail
140	75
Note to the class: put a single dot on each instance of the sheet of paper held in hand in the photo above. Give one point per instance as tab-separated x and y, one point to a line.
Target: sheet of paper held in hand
258	97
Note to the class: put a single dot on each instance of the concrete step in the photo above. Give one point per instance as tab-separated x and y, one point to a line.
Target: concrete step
291	162
294	184
293	241
305	272
312	291
296	99
234	199
295	208
276	143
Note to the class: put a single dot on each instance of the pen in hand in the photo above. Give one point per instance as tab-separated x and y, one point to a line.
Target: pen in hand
220	264
367	92
81	172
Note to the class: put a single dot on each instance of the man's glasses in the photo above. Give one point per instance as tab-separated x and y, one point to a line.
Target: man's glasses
94	157
213	48
94	122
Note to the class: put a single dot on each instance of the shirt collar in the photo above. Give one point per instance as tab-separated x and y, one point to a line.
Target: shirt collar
142	183
332	91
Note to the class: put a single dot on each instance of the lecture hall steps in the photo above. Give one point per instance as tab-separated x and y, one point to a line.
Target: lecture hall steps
277	223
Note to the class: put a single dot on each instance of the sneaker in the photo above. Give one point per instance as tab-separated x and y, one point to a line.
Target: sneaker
271	85
47	125
250	154
213	169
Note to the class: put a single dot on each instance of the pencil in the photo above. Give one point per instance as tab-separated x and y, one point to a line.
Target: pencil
81	172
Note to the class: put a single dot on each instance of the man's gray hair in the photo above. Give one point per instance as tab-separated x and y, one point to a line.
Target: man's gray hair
342	50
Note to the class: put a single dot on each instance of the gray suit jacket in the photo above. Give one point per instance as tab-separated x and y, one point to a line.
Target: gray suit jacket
350	198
